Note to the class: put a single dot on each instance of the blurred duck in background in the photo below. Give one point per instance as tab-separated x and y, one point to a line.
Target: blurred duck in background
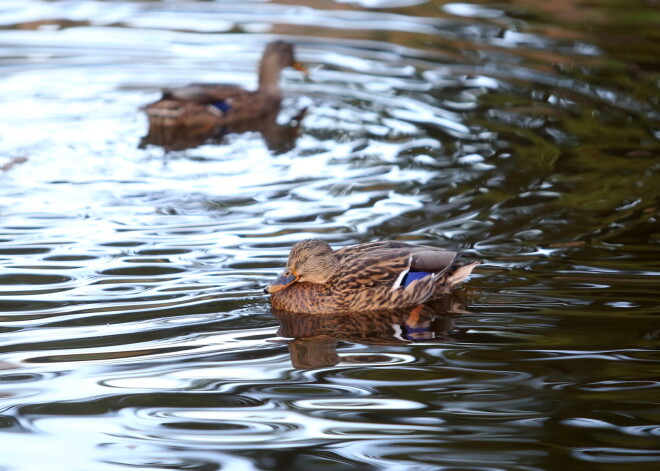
192	115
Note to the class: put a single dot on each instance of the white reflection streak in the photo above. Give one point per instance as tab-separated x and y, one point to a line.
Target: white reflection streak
297	426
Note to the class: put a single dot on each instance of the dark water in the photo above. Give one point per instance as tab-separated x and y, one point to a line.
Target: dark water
133	330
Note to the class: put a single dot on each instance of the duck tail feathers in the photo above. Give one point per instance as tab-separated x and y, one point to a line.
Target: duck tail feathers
461	273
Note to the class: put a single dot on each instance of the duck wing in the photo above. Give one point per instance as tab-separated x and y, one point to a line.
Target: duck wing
204	93
378	280
209	105
432	260
363	249
391	274
367	269
424	257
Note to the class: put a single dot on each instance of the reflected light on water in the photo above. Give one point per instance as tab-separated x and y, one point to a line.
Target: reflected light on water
133	327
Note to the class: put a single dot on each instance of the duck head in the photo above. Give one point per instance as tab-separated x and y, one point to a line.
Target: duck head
277	56
311	261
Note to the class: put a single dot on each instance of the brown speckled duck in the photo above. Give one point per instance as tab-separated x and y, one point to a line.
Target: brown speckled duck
212	105
366	277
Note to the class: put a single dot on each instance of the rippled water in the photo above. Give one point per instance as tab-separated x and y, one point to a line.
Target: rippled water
133	329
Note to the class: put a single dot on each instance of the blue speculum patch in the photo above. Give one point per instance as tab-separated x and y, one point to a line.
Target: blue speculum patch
412	276
222	106
411	331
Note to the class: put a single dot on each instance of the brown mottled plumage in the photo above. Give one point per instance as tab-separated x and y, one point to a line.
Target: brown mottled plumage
205	106
364	277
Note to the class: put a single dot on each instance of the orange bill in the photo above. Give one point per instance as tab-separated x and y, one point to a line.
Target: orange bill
298	66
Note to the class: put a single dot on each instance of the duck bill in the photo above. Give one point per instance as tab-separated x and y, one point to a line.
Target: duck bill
280	283
298	66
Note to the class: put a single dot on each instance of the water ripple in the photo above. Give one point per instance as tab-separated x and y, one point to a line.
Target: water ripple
133	327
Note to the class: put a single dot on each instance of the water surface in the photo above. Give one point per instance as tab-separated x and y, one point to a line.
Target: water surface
133	328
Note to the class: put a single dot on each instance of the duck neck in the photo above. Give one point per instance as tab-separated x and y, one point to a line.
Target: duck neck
269	78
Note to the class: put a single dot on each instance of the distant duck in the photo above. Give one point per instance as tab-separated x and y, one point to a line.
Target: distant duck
366	277
206	106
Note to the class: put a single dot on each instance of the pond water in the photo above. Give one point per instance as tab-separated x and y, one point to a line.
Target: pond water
134	332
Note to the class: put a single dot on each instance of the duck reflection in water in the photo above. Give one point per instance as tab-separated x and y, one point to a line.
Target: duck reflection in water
200	113
316	336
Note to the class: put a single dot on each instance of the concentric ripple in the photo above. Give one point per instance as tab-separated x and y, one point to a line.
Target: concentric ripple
134	332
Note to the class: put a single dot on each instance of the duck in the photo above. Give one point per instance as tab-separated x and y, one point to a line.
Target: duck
372	276
209	106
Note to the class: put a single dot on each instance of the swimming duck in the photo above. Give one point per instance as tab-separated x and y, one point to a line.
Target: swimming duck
212	105
365	277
